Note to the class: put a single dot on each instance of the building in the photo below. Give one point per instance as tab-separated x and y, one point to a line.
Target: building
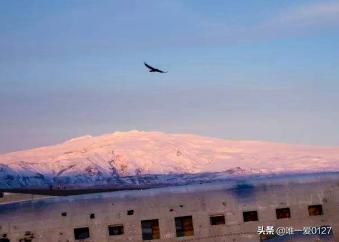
304	207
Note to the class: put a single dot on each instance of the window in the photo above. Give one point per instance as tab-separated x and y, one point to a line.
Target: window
217	219
4	238
315	210
63	214
250	216
184	226
81	233
130	212
283	213
1	194
92	216
150	229
115	230
29	234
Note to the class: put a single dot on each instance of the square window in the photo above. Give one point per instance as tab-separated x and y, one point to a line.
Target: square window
92	216
250	216
63	214
283	213
315	210
115	230
130	212
150	229
217	219
81	233
184	226
4	238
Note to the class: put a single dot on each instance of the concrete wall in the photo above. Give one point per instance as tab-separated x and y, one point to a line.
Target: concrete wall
43	217
15	197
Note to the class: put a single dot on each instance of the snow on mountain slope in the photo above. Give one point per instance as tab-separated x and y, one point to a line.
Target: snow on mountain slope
109	158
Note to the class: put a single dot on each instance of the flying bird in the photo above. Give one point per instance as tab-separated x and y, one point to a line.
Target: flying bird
152	69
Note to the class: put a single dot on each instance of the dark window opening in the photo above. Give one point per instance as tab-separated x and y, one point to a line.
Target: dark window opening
250	216
315	210
171	210
4	238
283	213
115	230
217	219
150	229
1	194
92	216
81	233
181	206
184	226
64	214
268	237
28	237
130	212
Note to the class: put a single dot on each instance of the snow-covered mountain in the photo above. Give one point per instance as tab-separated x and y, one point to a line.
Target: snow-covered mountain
156	157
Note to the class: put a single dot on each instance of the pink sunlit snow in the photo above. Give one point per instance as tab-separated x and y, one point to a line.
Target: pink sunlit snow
137	153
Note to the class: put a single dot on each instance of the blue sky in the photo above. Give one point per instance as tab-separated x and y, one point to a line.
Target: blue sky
254	70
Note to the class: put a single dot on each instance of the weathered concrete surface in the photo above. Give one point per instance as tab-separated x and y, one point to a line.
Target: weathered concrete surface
42	218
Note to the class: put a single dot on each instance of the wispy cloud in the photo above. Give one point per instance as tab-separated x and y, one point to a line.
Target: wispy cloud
300	20
305	18
294	21
319	14
114	29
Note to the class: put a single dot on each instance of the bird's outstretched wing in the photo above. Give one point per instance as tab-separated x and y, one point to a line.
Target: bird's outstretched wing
149	67
152	69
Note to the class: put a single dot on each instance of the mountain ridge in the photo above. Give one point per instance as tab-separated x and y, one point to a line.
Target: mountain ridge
109	158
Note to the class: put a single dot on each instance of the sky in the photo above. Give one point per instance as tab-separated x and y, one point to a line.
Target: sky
249	70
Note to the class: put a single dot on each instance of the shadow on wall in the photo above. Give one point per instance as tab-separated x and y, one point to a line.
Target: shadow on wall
243	190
